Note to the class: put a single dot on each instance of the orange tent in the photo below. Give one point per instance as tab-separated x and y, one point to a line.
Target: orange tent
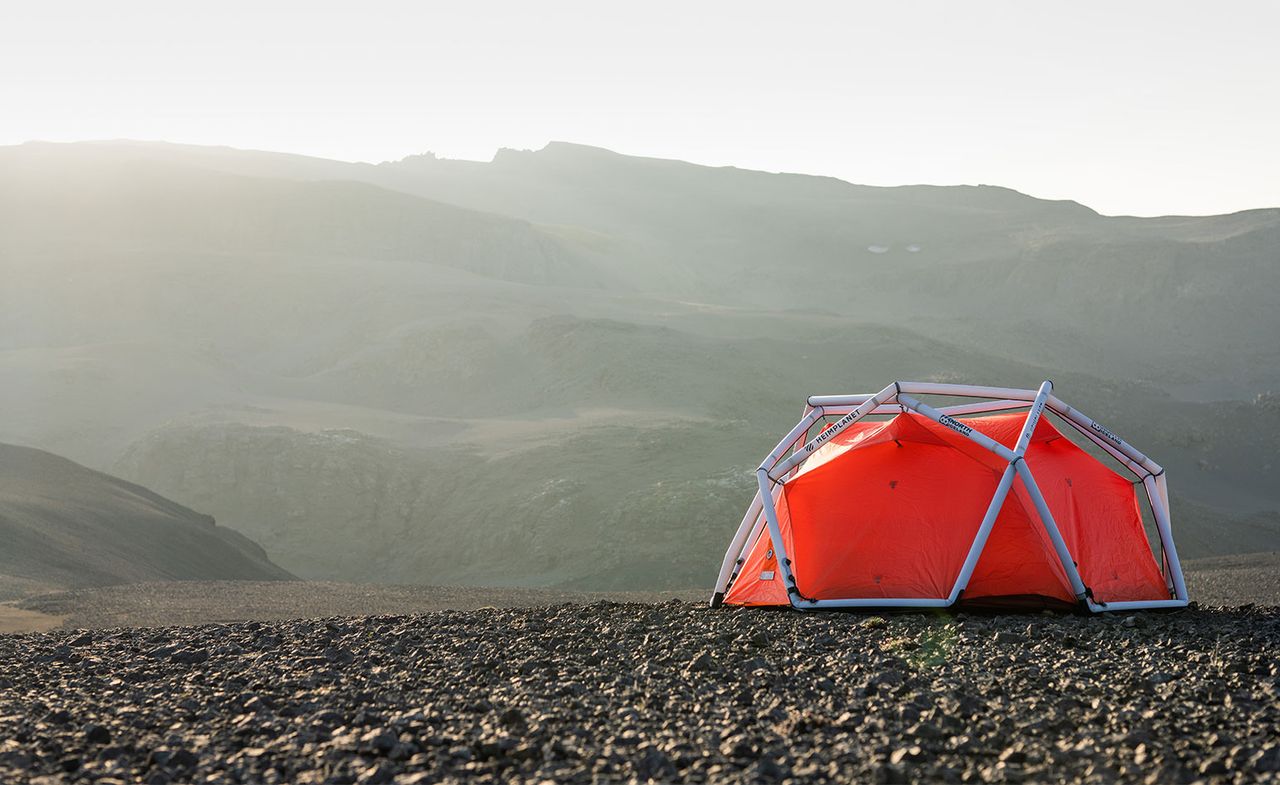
929	508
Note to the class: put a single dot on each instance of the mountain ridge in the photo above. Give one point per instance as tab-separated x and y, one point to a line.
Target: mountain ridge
295	363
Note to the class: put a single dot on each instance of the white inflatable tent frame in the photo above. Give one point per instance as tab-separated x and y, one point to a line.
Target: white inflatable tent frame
778	467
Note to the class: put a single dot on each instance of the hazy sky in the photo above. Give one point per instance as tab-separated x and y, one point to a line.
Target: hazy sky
1130	107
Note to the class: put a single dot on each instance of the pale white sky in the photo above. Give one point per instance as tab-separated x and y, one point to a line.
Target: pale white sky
1130	107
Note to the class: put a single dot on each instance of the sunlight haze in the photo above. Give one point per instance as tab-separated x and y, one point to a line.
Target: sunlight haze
588	392
1139	108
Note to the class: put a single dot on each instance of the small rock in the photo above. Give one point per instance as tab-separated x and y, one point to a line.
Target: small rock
59	716
737	747
905	754
1013	755
189	656
97	734
886	678
766	770
376	775
653	764
378	740
1213	768
701	663
339	655
1268	759
512	716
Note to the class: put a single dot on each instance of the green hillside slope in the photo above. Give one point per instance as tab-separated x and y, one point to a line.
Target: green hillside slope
66	526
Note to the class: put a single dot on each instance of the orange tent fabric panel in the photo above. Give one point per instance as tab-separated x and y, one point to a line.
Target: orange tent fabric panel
1019	559
759	579
1097	512
875	525
890	509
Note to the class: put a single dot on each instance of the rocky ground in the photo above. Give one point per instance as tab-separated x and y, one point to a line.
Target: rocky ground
1235	580
637	692
171	603
1228	580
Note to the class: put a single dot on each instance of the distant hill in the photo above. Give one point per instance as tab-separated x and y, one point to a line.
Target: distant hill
1187	302
559	367
1042	281
65	526
72	202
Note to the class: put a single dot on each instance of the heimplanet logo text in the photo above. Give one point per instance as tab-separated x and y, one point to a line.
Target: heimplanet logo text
828	433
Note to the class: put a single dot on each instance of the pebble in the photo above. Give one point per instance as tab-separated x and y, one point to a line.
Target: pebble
616	692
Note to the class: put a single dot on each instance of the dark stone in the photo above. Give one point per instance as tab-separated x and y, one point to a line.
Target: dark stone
379	741
195	656
701	663
654	764
97	734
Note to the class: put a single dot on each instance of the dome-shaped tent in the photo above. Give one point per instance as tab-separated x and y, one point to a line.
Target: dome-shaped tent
971	504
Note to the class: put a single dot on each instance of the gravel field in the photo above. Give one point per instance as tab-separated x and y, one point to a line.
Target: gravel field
611	692
1228	580
172	603
1235	580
